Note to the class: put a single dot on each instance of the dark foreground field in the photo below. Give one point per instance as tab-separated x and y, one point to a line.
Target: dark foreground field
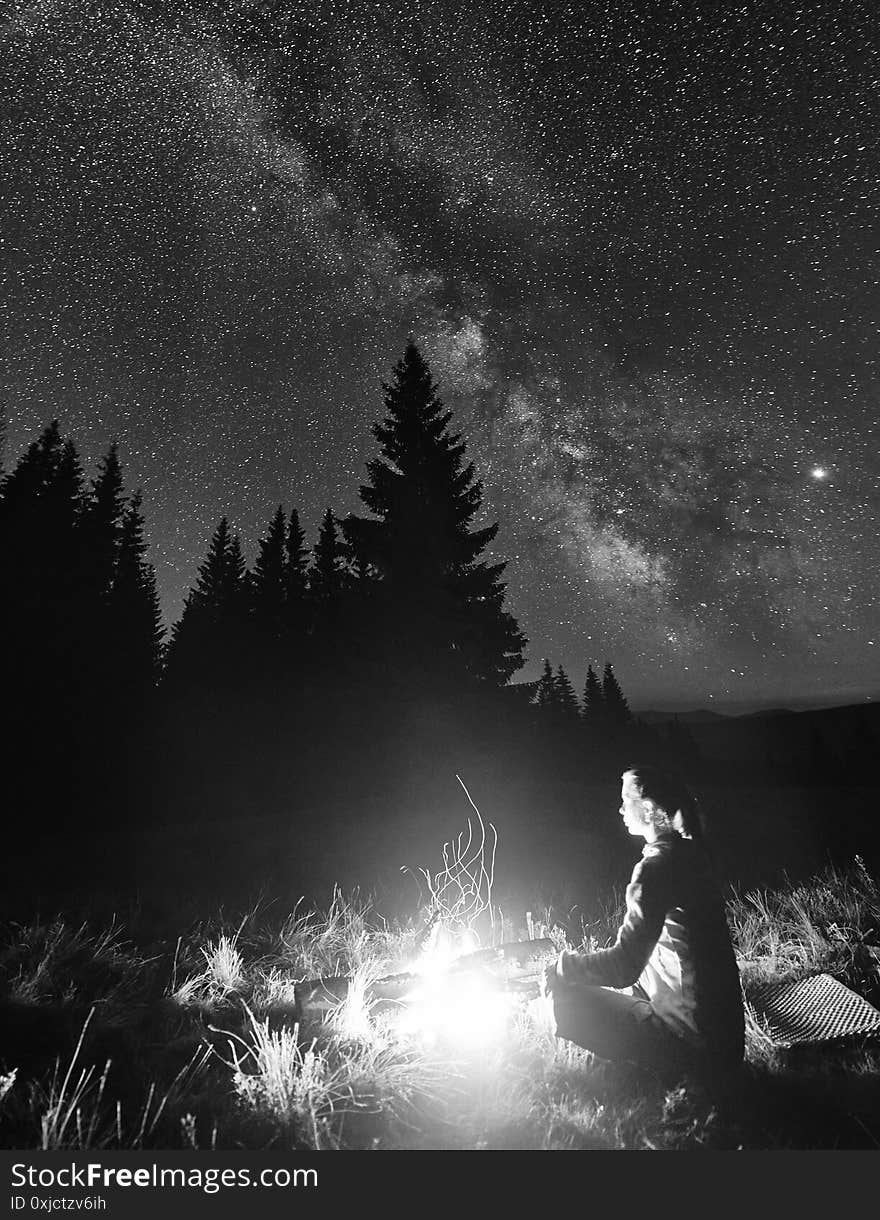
151	1033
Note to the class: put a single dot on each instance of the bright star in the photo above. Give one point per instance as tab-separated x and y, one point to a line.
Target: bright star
819	472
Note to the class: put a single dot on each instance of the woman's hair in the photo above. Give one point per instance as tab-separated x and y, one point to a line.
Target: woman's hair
674	805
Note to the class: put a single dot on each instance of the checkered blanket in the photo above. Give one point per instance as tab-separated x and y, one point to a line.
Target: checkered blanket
812	1010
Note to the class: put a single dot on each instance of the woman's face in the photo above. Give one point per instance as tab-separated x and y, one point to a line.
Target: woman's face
633	808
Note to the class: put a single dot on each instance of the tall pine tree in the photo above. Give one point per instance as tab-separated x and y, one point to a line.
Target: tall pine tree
63	503
617	711
134	613
328	586
442	609
46	623
206	642
593	704
100	532
269	583
566	699
237	627
545	690
296	560
65	608
297	611
27	547
101	524
327	574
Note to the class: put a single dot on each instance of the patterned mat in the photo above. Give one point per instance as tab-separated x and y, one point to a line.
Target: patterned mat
819	1009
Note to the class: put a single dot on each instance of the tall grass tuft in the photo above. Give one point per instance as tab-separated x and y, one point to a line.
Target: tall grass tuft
336	941
808	928
51	962
276	1076
224	974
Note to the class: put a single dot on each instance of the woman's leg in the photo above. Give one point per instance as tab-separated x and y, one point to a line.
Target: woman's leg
617	1026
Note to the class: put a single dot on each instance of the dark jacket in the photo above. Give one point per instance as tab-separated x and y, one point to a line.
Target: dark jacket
674	942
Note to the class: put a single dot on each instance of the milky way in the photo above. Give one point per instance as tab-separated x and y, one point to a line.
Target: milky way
638	243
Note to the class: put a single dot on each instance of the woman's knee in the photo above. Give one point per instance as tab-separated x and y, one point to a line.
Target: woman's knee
606	1022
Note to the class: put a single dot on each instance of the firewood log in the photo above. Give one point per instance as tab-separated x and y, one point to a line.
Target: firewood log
517	965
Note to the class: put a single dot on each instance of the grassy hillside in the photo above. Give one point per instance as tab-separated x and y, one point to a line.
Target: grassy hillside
123	1038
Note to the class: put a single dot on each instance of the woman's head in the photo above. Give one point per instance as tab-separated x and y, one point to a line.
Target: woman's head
655	801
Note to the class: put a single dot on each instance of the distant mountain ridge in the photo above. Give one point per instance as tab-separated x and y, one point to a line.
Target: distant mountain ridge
805	743
694	716
702	715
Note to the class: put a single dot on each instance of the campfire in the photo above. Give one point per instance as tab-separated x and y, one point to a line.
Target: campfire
464	985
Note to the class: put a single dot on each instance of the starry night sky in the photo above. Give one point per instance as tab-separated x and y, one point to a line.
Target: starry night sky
638	242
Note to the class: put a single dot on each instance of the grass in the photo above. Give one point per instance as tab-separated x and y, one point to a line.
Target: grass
195	1043
826	925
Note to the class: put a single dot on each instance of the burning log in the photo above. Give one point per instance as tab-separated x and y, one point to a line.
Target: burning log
515	966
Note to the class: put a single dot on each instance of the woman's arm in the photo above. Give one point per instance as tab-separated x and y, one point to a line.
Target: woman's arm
621	965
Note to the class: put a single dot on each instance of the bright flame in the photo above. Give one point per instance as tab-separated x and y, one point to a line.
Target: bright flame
468	1009
444	949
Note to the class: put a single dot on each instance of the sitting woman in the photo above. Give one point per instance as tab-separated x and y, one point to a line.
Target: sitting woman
682	1008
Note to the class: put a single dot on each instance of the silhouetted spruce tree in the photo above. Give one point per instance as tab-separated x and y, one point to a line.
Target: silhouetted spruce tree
442	614
238	624
64	502
593	710
128	718
41	506
327	575
100	530
66	615
566	699
135	617
101	525
207	638
617	711
235	576
32	473
48	665
25	529
208	593
296	562
27	578
546	693
269	586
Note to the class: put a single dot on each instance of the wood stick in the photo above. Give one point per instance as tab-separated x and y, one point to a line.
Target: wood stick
514	963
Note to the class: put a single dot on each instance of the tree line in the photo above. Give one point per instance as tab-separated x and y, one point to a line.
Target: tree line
602	708
275	677
358	674
400	597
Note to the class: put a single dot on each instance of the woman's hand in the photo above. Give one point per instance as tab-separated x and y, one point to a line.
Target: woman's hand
550	979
